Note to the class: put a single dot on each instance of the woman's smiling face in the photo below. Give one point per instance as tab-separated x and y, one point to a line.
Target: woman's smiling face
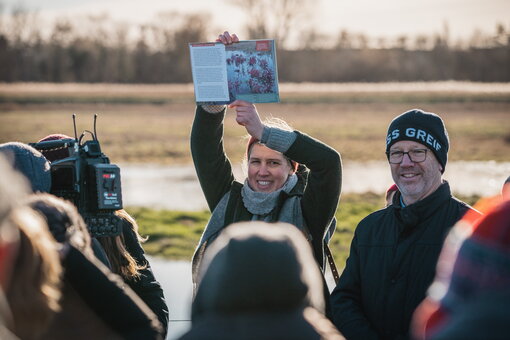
268	169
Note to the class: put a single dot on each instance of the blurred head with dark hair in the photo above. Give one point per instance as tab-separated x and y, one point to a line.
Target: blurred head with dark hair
64	222
260	279
273	262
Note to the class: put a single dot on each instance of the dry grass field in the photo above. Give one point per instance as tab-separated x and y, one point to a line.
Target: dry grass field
151	123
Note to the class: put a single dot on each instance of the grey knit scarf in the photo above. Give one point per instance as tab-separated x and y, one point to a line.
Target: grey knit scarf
262	203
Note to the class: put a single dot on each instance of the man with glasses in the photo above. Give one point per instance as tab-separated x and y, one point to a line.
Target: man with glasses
394	250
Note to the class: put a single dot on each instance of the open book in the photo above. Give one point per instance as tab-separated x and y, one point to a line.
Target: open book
245	70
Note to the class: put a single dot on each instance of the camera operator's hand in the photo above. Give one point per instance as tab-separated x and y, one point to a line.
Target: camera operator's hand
59	231
248	117
68	235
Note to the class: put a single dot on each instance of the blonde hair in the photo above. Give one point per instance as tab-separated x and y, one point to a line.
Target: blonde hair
270	122
34	290
121	260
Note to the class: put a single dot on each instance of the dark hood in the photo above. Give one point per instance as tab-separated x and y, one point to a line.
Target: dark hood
255	267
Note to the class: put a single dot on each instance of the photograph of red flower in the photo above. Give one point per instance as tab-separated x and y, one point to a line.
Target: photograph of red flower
251	70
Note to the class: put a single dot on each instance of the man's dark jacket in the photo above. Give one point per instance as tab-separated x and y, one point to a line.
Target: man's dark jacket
392	262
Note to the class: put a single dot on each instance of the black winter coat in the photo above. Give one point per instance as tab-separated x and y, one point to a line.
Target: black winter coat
320	188
96	305
146	286
392	262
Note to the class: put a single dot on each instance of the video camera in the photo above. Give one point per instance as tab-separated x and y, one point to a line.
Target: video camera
87	179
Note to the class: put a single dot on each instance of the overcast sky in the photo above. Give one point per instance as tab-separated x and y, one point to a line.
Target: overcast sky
373	17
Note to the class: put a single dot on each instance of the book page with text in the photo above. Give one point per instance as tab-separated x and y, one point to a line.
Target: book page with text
209	72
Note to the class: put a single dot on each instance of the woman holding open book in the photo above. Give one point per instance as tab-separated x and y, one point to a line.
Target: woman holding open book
291	177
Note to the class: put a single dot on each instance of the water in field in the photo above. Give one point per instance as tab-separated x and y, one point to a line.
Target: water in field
177	187
175	278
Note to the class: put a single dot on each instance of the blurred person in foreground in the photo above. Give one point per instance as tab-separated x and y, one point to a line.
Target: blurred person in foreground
95	304
470	296
394	251
260	281
125	255
291	177
505	190
30	269
12	188
390	192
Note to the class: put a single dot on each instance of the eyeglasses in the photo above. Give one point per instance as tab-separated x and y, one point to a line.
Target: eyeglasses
416	156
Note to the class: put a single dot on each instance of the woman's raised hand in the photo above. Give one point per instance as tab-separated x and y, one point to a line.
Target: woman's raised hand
247	116
227	38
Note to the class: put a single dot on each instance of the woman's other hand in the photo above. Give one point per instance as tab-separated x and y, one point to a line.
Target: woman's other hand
247	116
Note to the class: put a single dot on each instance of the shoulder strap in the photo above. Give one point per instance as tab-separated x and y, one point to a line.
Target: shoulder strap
233	200
331	262
329	256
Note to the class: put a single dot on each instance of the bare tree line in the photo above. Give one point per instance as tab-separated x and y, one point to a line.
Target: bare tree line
100	50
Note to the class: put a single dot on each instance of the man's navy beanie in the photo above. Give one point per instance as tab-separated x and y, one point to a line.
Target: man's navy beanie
422	127
31	163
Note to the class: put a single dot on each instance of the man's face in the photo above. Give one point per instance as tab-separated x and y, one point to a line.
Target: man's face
415	180
268	169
